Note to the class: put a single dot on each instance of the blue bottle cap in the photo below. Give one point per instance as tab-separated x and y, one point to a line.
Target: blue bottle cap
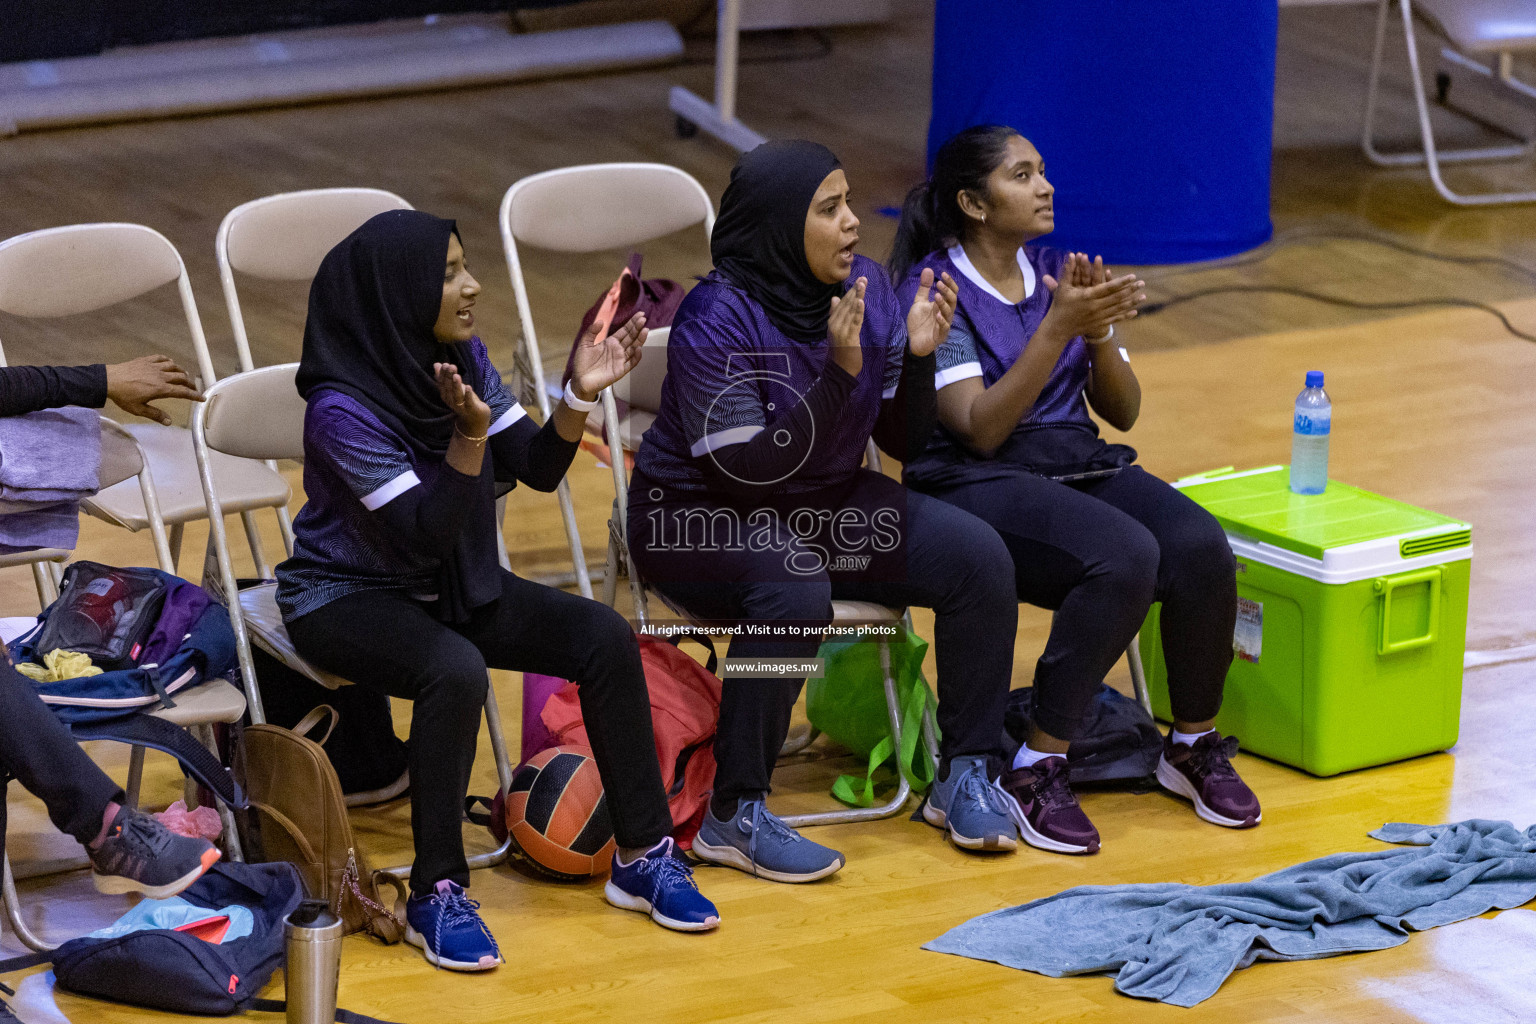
1314	378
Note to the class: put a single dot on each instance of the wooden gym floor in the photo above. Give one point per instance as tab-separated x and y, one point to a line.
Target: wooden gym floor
1433	408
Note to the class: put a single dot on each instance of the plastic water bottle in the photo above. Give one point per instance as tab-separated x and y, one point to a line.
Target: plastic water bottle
1309	439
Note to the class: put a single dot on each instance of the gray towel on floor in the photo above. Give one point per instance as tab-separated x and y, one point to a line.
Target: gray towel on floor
1178	943
49	456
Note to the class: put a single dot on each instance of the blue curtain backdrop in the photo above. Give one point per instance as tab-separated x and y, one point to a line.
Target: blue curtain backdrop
1154	117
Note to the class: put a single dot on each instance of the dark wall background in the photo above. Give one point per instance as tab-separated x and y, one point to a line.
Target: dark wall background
42	29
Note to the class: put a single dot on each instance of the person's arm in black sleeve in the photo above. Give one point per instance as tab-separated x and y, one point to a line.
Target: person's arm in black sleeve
537	456
906	419
429	516
769	456
25	389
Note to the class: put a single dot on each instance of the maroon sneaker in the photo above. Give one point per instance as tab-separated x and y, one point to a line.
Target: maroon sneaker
1203	773
1042	804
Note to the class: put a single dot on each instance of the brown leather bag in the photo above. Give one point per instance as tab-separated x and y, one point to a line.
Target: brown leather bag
297	814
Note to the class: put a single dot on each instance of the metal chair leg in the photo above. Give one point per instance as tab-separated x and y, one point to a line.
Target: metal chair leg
13	911
1430	156
931	738
253	538
611	567
1138	674
402	872
796	742
903	787
178	530
135	776
204	734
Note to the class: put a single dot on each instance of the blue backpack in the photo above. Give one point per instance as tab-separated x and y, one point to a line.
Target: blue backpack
162	636
181	970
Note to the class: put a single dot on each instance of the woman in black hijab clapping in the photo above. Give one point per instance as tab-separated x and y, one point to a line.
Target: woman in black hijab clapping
409	436
750	504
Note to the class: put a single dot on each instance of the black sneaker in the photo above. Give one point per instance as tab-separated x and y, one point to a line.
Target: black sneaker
141	855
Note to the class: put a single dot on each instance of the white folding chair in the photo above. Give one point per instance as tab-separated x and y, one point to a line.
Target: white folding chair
258	414
284	237
641	390
592	208
197	709
85	267
1480	30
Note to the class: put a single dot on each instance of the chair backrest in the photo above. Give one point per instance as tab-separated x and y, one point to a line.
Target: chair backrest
284	237
604	206
81	268
641	387
592	208
257	414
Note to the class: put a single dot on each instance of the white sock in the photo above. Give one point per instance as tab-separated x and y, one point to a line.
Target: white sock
1026	757
1188	738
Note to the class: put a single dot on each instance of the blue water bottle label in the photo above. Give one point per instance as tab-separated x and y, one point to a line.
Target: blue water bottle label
1313	425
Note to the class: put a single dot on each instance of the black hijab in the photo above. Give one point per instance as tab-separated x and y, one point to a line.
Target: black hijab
759	238
372	308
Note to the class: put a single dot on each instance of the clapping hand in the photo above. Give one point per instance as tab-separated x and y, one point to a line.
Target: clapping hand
1087	301
599	364
933	310
471	416
844	324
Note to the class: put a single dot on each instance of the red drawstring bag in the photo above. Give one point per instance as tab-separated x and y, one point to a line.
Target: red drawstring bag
685	706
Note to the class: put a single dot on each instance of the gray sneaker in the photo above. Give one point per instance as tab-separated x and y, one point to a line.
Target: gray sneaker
760	844
971	808
141	855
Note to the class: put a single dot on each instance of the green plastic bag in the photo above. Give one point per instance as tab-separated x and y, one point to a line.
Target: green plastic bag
848	705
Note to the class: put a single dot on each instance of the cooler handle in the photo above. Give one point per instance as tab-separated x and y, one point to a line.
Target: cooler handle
1385	587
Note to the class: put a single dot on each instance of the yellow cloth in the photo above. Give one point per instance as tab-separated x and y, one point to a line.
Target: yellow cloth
58	666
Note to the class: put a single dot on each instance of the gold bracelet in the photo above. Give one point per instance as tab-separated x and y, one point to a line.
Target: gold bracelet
471	440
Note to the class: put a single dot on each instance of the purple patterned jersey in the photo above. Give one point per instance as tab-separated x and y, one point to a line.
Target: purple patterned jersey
730	373
988	336
354	464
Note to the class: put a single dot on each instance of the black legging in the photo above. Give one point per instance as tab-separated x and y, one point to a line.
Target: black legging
38	751
946	560
1099	552
385	639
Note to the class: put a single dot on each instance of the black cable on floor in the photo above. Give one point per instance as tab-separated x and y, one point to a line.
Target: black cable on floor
1292	236
1153	308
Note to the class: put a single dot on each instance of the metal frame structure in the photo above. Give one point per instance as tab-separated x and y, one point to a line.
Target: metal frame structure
592	238
1431	156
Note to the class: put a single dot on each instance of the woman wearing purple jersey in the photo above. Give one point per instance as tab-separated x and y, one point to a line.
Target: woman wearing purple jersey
409	435
749	507
1092	535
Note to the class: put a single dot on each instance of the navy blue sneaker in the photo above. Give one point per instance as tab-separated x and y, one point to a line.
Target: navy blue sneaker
757	842
970	807
447	927
661	885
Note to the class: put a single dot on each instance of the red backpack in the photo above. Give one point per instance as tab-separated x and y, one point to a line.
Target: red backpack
685	705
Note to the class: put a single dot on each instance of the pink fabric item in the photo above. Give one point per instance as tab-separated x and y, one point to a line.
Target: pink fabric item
537	690
199	823
685	704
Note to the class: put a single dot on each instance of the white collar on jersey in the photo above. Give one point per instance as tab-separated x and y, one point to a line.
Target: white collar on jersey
963	264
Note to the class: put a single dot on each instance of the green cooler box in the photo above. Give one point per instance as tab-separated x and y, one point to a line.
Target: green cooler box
1351	622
